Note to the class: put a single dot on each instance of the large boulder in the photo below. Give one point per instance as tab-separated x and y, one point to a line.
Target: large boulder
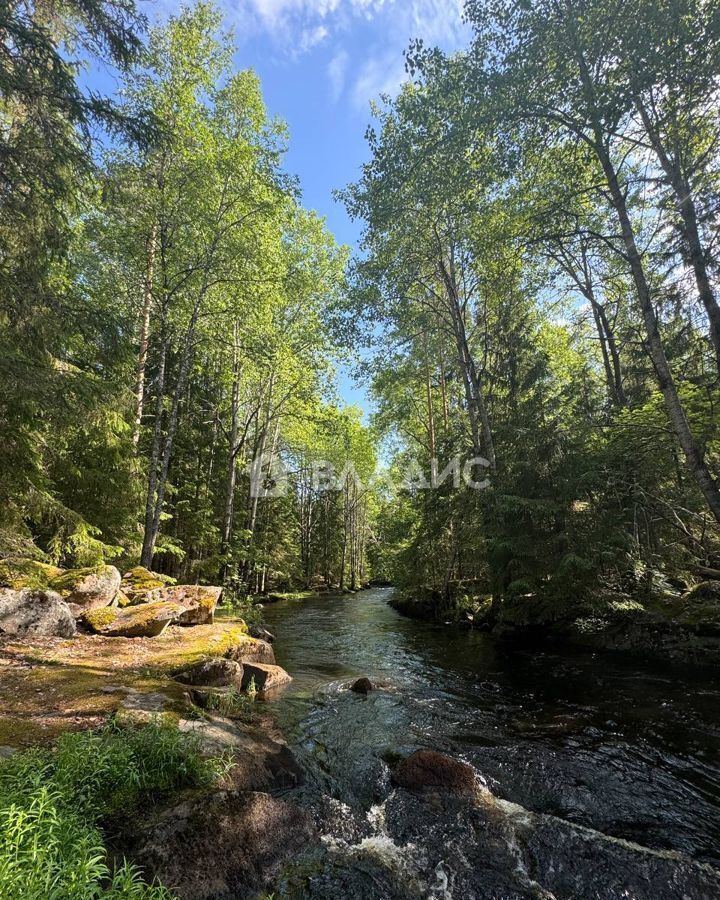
18	573
213	673
89	588
263	676
221	845
147	620
35	612
199	601
427	770
139	582
251	650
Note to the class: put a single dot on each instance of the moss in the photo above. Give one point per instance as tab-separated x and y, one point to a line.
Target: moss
66	583
100	618
140	579
20	573
50	686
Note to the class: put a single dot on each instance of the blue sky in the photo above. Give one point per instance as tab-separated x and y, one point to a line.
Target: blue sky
321	62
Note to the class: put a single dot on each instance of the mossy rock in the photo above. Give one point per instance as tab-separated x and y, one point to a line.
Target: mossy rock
148	620
19	573
93	586
139	581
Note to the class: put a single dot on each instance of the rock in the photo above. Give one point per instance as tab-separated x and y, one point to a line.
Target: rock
138	582
221	845
213	673
264	676
141	709
35	612
427	769
261	633
198	601
362	686
147	620
19	573
89	588
251	650
261	759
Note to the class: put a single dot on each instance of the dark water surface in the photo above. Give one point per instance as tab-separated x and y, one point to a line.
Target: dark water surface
622	747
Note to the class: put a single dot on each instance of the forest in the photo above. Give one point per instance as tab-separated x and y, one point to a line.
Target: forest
536	285
533	310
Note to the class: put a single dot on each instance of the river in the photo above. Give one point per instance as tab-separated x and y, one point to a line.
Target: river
595	765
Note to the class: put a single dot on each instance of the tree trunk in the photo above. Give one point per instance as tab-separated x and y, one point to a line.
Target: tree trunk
676	413
695	460
144	333
685	205
233	447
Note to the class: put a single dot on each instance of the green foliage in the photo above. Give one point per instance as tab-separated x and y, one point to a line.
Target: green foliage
52	802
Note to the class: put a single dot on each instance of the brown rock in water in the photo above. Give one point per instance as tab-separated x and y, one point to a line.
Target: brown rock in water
362	686
34	612
222	845
147	620
251	650
213	673
90	588
429	770
264	676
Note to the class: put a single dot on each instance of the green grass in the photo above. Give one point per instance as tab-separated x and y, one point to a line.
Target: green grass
53	805
233	704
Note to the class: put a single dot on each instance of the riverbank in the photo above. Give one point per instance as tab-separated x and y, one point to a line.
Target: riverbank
193	684
683	627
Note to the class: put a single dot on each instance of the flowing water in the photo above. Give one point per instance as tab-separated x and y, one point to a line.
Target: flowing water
600	774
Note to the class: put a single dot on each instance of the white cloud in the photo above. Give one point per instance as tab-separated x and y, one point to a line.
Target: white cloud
311	37
337	73
381	74
300	26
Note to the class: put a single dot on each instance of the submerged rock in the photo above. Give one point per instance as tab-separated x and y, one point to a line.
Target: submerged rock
35	612
264	676
148	620
222	845
429	770
213	673
493	849
89	588
362	686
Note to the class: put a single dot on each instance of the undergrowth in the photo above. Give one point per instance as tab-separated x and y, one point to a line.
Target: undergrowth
53	805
